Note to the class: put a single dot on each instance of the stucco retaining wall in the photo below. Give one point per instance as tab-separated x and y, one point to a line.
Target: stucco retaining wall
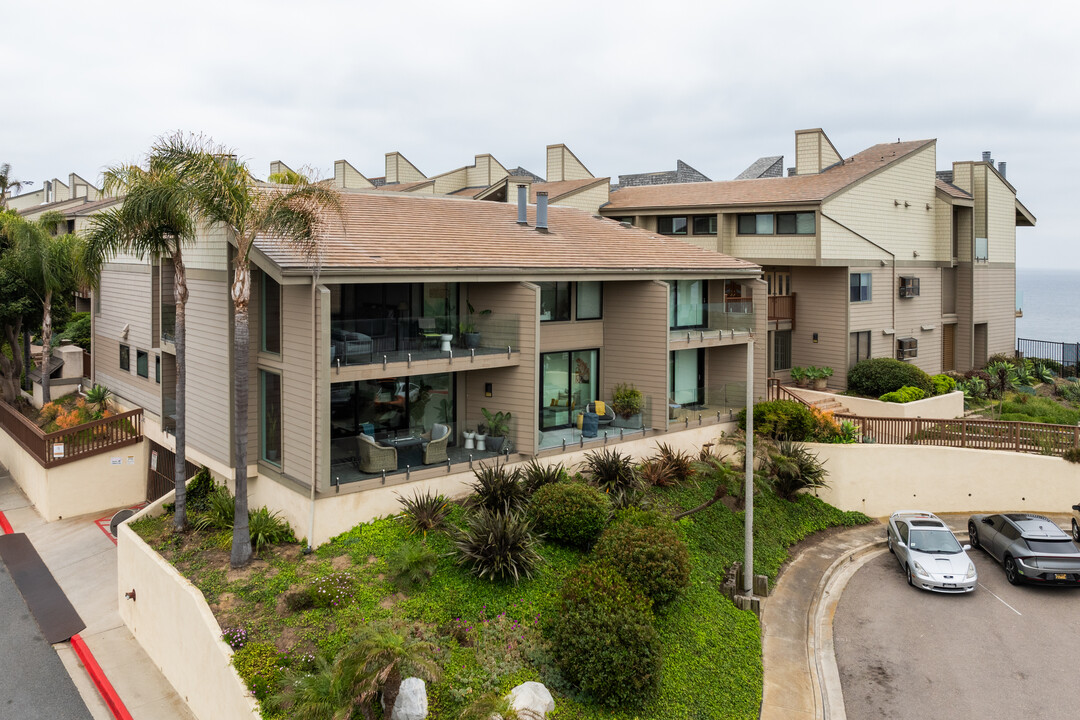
82	487
174	625
950	405
879	479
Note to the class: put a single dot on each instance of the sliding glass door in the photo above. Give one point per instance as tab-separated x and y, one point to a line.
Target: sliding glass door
687	376
687	303
568	382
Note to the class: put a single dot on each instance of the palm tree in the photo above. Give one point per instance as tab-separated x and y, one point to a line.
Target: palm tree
228	194
8	183
157	218
50	265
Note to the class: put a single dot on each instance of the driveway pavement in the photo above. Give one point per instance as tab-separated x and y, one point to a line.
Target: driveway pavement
82	558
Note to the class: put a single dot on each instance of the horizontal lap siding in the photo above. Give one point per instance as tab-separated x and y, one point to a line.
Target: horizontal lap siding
209	396
125	300
572	335
999	310
144	392
297	346
964	316
821	308
514	389
913	313
588	200
636	342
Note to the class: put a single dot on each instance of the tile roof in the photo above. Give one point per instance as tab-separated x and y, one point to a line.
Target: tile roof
405	186
395	232
796	189
467	192
950	189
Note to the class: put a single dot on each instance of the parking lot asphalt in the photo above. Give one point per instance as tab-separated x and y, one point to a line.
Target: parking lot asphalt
1000	651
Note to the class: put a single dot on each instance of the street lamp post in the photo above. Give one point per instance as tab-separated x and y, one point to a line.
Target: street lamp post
748	519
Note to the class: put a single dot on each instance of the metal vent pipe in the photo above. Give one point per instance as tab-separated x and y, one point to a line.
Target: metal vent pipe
523	202
541	211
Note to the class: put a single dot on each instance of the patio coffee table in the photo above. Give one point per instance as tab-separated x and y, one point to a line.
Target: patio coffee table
409	450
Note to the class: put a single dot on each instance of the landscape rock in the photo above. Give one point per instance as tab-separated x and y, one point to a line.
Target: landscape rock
411	702
531	699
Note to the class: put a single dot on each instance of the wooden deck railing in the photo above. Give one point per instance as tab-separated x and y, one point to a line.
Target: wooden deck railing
64	446
982	434
782	307
776	391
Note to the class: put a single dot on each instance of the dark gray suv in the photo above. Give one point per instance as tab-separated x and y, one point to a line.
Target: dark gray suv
1030	547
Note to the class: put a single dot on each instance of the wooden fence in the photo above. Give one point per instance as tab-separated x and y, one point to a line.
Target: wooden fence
981	434
64	446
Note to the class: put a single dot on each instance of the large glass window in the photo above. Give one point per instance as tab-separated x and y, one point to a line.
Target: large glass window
270	417
687	377
704	224
390	406
859	346
142	363
860	287
590	300
687	303
782	350
270	315
554	301
369	320
777	224
668	225
568	382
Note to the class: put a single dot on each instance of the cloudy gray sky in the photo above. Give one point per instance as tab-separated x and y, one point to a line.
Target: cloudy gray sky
629	86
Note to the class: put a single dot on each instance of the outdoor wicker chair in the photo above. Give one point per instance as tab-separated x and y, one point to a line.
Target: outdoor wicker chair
435	444
375	458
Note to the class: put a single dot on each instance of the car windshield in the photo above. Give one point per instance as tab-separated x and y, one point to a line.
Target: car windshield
1052	546
934	541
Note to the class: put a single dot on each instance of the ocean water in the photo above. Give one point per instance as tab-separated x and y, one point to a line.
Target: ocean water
1051	303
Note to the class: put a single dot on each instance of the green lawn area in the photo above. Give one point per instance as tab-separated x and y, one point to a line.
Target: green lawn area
491	633
1033	408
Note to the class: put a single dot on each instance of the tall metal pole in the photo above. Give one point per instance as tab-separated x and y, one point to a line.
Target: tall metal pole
748	519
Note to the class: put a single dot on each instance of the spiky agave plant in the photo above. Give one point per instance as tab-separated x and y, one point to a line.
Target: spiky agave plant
424	512
498	489
498	546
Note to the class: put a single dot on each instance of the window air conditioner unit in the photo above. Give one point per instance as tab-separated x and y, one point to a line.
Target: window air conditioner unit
909	286
907	348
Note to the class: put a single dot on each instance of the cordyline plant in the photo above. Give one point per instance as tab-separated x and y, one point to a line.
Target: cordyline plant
290	216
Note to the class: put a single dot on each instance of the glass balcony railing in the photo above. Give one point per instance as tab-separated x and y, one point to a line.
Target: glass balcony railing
363	341
168	322
724	399
713	318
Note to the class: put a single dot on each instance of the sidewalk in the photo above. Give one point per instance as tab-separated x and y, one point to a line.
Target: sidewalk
82	558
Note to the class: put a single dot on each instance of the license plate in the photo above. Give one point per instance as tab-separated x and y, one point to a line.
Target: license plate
1061	576
948	585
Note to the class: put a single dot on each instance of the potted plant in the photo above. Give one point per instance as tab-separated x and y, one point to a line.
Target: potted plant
470	336
497	425
821	377
798	374
627	402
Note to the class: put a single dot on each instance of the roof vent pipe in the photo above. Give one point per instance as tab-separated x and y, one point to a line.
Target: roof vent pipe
986	156
541	211
1001	168
523	201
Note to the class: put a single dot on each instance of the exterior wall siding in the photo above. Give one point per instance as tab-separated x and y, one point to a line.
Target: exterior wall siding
636	342
821	308
209	358
576	335
588	200
914	313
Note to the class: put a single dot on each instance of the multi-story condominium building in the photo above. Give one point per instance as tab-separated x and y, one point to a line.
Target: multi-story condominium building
425	311
873	255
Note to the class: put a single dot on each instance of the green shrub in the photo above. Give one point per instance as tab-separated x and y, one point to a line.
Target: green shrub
570	513
679	462
199	490
260	666
615	474
791	467
1069	391
943	384
536	475
268	528
903	395
332	591
644	547
77	331
1001	358
498	545
498	489
412	564
877	376
219	512
781	419
603	637
1072	455
424	512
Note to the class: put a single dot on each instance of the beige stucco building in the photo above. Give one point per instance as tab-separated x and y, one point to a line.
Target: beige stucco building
873	255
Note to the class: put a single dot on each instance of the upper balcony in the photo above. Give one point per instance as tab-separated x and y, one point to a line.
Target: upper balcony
711	323
782	309
480	340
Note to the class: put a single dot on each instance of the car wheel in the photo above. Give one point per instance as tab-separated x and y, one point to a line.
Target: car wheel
1076	531
973	535
1011	573
907	569
889	536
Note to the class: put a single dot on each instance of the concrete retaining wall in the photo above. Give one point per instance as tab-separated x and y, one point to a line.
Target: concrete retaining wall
950	405
879	479
92	485
174	625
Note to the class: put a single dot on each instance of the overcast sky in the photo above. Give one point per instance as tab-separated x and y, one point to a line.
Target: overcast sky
628	86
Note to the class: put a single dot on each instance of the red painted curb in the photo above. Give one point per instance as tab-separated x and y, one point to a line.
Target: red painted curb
5	525
108	694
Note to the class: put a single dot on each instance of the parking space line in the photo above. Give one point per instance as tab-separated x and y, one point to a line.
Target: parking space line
1001	601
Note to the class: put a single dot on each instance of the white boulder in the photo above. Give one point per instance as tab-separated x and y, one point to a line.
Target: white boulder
531	699
411	702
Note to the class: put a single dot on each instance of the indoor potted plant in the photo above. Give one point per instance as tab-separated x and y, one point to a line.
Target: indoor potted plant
470	336
798	374
497	425
627	402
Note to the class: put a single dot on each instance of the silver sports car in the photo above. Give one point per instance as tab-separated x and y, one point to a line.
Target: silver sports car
929	553
1030	547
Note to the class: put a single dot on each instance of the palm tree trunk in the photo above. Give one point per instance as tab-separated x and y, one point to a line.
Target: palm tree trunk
180	295
26	358
241	295
46	349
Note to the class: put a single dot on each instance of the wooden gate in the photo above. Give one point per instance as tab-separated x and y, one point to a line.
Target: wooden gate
161	473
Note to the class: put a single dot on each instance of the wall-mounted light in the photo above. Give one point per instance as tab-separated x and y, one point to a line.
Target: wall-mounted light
815	337
914	253
487	389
